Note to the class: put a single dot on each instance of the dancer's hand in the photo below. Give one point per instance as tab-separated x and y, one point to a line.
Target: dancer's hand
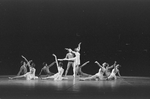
88	61
68	49
115	62
54	55
60	59
30	61
96	62
22	56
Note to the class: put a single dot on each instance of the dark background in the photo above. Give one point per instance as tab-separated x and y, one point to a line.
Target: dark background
108	29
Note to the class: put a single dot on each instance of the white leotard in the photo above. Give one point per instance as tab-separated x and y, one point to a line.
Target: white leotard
30	75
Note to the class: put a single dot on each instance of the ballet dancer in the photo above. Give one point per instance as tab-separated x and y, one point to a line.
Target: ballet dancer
70	63
76	59
108	68
29	75
79	70
23	69
114	72
58	75
97	76
46	70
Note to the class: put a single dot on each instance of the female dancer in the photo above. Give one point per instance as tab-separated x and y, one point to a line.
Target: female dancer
79	70
114	72
97	76
29	75
23	69
58	75
46	70
107	69
76	59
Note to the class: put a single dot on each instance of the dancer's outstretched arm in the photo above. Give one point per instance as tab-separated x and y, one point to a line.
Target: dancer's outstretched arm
98	64
112	66
70	59
24	58
41	71
51	64
56	60
70	50
28	62
84	64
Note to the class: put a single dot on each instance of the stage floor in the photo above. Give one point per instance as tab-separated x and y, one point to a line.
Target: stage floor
126	87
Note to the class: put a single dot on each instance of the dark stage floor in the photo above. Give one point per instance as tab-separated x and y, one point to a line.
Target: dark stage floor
122	88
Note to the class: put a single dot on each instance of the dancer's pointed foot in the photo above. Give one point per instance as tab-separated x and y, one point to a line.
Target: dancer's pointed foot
10	77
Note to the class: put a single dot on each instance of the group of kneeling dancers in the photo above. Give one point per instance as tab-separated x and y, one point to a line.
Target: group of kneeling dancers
105	72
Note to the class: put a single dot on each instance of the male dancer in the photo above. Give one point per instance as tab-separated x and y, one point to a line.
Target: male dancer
68	56
76	59
46	70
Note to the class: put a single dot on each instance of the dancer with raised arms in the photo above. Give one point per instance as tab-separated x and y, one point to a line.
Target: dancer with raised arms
97	76
108	69
114	72
58	75
29	75
46	68
80	72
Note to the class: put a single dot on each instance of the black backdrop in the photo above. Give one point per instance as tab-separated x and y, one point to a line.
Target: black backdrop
108	29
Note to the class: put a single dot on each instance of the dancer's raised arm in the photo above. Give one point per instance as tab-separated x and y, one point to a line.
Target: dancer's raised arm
56	60
24	58
68	49
79	46
84	64
98	64
112	65
51	64
28	62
